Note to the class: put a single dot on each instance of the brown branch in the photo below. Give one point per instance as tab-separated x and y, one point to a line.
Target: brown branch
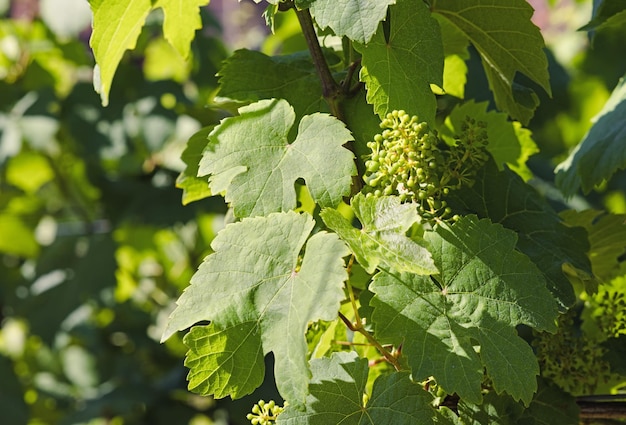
331	91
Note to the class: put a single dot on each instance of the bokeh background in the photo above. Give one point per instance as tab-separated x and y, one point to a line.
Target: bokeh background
95	243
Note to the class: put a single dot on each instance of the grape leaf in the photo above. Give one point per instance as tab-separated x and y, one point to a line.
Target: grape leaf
259	297
382	239
194	188
508	42
398	70
291	77
336	397
495	409
118	23
356	19
607	233
608	13
251	160
551	405
509	142
116	27
484	289
456	53
601	152
180	22
506	199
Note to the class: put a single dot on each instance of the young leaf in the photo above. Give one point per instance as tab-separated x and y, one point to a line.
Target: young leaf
398	71
485	288
382	239
250	76
259	296
503	197
508	42
356	19
337	397
253	162
601	152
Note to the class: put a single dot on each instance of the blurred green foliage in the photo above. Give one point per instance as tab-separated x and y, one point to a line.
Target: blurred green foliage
95	244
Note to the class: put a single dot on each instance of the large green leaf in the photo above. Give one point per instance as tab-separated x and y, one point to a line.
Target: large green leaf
251	159
399	70
508	43
259	295
118	23
601	152
382	239
292	78
485	288
356	19
503	197
337	392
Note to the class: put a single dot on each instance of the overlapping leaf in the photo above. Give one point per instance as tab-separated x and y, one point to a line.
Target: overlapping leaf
607	13
251	160
549	406
508	43
356	19
601	152
259	296
382	239
194	188
485	288
607	236
399	70
118	23
503	197
336	397
291	77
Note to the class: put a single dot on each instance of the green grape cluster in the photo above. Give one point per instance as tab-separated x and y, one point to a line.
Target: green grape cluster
409	160
265	413
607	308
571	360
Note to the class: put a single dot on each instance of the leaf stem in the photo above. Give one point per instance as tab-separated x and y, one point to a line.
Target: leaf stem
331	91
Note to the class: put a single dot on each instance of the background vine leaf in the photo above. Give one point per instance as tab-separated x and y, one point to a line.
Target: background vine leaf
118	23
508	43
601	152
251	160
503	197
484	289
382	238
337	389
259	296
607	233
357	19
398	71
